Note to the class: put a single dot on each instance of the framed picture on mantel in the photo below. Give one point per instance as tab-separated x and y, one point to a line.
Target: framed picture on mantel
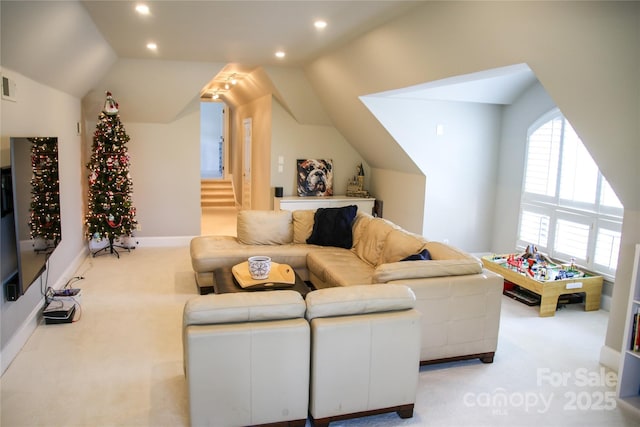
315	177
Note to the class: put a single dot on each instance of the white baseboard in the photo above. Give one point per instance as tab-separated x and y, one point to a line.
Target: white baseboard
605	303
21	336
163	241
609	358
71	269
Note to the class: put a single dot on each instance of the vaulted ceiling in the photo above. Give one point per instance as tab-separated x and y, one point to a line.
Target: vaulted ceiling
242	32
87	47
72	45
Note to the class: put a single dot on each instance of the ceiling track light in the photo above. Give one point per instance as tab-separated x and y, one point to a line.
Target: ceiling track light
231	80
222	84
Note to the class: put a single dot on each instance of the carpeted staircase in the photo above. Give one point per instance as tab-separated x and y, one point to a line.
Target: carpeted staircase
216	193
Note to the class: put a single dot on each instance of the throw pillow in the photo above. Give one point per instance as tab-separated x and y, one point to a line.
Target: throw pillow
424	255
372	242
360	225
400	244
332	227
302	224
259	227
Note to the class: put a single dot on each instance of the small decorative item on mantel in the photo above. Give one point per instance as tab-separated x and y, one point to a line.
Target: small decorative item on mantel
355	186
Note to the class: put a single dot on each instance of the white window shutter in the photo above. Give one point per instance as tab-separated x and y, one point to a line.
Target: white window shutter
568	209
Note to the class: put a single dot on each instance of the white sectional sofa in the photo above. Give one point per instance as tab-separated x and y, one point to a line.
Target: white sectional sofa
365	352
270	358
458	299
246	359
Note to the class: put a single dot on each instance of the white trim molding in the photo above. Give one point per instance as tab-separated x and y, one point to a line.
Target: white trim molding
28	327
610	358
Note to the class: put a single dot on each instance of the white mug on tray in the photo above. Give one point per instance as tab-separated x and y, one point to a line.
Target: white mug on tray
259	267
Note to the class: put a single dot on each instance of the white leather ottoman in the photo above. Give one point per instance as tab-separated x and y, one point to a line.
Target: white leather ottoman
246	359
365	351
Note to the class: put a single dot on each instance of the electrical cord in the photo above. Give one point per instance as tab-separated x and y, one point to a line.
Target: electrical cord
84	271
44	288
78	314
51	296
72	280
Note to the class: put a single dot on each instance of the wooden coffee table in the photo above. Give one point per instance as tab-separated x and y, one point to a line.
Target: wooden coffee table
550	290
224	282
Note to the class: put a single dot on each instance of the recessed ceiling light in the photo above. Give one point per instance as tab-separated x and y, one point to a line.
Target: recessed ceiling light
152	46
280	54
320	24
142	9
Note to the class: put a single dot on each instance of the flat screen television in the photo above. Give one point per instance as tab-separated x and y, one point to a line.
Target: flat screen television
31	201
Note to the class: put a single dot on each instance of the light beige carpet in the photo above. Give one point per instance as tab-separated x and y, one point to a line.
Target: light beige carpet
120	364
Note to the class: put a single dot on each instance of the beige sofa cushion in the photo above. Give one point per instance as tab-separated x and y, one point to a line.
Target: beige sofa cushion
399	245
302	224
265	227
243	307
359	299
339	267
422	269
360	226
371	243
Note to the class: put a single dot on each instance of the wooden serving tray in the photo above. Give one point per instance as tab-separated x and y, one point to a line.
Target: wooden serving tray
280	274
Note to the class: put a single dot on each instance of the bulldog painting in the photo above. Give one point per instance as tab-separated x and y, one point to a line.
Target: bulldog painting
315	177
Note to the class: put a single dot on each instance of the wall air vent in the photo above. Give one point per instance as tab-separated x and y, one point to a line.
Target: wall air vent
8	89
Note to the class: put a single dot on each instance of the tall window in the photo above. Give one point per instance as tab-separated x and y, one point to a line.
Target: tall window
568	210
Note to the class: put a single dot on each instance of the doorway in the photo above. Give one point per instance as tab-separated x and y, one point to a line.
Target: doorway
246	163
212	141
217	198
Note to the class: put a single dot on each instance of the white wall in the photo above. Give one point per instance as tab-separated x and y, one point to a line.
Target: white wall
151	90
459	165
294	141
42	111
165	169
517	118
402	196
292	88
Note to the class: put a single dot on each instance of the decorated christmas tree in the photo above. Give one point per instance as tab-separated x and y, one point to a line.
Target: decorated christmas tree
111	214
44	219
